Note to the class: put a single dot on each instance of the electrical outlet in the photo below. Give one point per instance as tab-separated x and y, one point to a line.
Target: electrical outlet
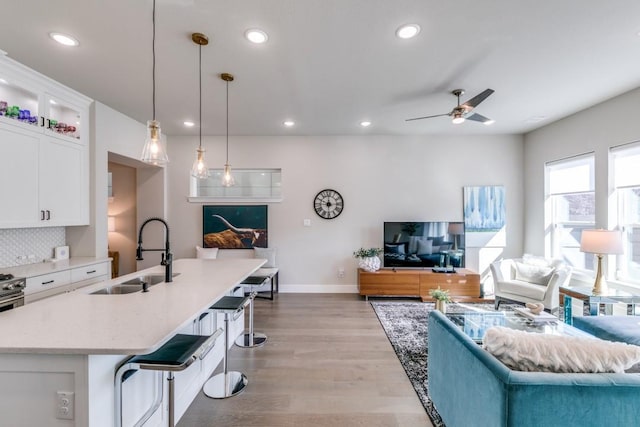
340	272
65	405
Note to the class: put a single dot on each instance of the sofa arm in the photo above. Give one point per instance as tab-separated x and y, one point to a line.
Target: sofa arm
459	370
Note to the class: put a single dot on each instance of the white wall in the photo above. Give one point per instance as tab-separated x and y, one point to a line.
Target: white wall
595	129
382	178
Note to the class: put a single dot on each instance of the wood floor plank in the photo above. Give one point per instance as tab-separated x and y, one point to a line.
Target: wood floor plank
327	362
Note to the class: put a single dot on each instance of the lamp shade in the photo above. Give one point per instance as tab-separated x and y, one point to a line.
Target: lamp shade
604	242
111	223
456	228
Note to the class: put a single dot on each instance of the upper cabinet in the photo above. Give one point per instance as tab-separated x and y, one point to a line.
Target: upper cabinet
44	142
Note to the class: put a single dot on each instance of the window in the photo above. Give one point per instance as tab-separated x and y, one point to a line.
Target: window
626	179
570	185
252	185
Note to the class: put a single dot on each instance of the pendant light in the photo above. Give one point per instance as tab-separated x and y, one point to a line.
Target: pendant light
200	169
227	177
153	151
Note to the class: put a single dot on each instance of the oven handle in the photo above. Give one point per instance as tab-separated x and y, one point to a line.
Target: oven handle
11	300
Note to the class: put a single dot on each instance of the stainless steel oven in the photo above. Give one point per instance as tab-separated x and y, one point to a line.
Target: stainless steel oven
11	291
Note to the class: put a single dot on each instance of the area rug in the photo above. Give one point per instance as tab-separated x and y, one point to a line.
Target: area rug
405	324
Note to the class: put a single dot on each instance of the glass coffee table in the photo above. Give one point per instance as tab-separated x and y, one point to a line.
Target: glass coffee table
613	301
475	323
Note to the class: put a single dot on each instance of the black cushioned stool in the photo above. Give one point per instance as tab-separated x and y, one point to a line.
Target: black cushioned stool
251	338
227	383
175	355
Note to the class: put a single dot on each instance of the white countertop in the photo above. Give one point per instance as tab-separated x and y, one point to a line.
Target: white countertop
136	323
40	268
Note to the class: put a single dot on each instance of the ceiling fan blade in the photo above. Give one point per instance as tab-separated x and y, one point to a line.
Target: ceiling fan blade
479	118
427	117
473	102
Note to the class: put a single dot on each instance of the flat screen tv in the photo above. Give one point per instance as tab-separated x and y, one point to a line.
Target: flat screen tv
424	244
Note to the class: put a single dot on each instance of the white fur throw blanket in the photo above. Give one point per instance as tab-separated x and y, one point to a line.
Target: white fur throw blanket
528	351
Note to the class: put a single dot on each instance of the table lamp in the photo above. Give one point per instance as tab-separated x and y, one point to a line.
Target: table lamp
600	243
455	229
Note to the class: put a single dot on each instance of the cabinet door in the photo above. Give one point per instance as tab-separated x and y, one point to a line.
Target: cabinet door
63	183
18	177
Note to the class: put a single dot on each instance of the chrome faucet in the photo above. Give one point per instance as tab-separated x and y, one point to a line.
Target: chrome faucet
167	256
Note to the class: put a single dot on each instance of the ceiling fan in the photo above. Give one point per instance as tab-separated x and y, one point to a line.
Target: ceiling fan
460	113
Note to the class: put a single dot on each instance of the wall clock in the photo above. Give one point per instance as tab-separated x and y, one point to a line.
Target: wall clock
328	204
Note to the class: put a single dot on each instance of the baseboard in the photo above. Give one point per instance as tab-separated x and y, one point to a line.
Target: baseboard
319	289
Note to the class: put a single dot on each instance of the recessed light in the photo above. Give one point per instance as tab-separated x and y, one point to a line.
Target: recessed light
257	36
365	123
64	39
188	123
52	102
4	82
408	31
288	123
489	122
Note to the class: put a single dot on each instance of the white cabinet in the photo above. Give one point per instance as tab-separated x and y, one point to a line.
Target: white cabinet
44	148
19	177
50	284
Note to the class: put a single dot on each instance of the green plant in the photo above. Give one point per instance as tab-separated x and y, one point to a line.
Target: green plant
440	294
410	227
366	253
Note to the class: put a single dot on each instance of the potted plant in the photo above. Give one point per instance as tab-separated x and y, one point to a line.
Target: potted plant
368	258
442	298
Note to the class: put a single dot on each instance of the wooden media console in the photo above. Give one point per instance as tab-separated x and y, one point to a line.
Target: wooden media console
462	284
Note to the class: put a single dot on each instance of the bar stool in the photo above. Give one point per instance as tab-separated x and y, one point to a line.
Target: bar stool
177	354
251	338
227	383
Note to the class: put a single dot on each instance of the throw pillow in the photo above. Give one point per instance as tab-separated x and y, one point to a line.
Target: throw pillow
529	351
206	253
267	253
425	247
536	260
437	241
394	249
533	273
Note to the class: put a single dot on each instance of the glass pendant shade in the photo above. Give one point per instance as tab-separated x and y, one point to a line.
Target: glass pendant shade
227	178
154	151
200	169
457	119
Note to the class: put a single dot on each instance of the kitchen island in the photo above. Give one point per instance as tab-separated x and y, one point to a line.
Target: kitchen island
74	342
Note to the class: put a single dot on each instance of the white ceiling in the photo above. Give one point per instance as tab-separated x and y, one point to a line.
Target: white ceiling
328	64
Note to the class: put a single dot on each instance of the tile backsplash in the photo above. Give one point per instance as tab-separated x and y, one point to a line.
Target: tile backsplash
35	244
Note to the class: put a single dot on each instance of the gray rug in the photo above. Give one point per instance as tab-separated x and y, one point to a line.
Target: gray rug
405	324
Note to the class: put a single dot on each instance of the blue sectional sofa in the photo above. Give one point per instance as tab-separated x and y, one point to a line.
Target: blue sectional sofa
470	387
611	328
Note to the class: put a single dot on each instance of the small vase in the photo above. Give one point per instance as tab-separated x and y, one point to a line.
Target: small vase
441	306
369	264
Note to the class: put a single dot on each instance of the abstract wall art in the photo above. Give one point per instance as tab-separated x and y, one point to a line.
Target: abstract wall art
484	208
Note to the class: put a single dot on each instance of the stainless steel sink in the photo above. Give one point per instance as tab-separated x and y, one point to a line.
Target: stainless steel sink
132	285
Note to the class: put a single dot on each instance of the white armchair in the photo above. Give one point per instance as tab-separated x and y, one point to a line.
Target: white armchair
530	279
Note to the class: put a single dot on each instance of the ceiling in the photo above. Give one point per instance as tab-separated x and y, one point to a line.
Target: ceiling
329	64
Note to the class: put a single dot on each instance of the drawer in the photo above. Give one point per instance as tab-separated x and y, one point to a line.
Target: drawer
89	271
47	281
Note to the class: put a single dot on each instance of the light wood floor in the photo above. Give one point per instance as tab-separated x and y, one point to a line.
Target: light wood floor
327	363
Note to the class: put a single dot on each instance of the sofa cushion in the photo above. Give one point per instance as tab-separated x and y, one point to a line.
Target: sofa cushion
425	247
526	289
533	273
394	248
527	351
611	328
